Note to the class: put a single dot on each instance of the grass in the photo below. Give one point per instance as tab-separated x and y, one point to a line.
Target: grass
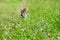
43	22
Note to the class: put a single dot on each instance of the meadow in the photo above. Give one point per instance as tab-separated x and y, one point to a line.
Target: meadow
43	22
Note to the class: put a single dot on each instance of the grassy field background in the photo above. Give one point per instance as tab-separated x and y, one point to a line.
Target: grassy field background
43	22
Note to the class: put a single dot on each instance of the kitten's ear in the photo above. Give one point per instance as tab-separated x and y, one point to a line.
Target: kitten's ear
27	8
21	9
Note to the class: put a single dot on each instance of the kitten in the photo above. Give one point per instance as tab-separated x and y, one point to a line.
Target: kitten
24	12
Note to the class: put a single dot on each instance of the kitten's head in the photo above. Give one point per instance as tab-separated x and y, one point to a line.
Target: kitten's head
24	10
